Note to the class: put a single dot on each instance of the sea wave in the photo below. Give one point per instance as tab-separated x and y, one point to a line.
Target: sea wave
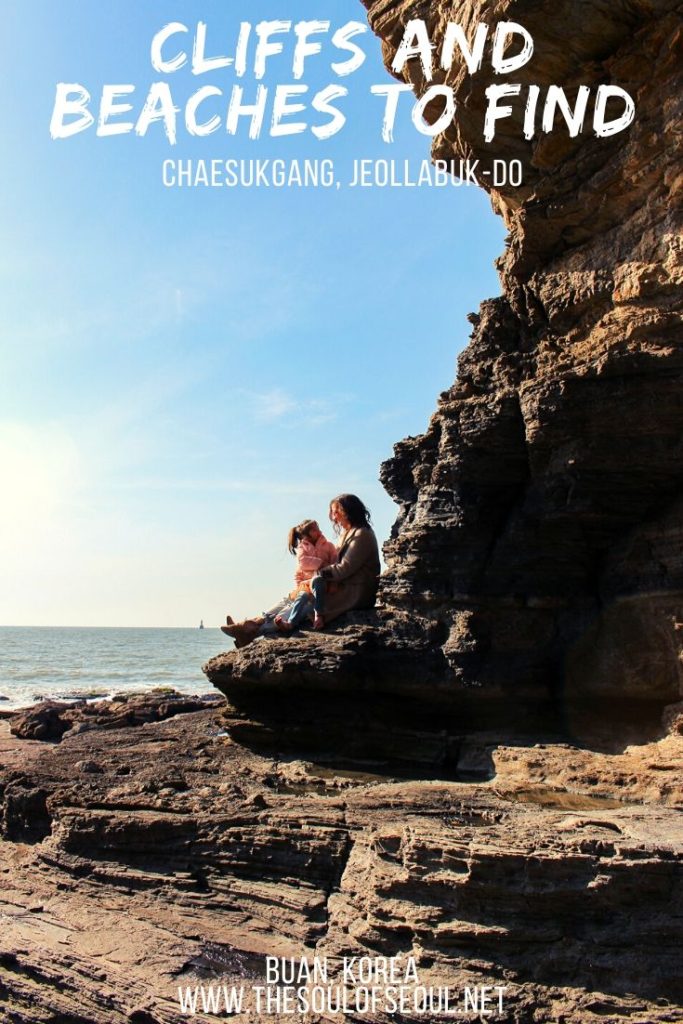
37	663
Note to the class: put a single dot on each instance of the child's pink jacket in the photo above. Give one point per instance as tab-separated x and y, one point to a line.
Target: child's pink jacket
311	557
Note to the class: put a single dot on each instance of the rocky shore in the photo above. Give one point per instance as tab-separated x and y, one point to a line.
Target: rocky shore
145	850
486	773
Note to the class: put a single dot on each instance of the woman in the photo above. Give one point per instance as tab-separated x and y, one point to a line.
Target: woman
352	581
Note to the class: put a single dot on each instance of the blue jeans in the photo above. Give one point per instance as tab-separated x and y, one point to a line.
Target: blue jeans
306	603
281	608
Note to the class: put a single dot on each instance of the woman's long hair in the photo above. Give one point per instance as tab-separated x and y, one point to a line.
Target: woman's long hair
354	509
297	533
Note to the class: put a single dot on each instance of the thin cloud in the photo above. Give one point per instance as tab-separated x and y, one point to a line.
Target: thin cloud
226	486
273	405
278	405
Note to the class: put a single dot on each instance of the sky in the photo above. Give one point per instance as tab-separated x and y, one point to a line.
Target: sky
185	373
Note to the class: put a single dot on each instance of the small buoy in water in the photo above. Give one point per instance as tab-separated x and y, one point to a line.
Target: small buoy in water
201	623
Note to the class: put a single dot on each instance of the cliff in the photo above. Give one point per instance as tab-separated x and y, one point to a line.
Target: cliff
533	597
537	546
540	513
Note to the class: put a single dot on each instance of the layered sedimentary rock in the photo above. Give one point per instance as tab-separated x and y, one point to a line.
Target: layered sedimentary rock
537	550
541	515
534	583
143	858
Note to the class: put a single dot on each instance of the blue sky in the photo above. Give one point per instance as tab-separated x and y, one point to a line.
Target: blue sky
188	372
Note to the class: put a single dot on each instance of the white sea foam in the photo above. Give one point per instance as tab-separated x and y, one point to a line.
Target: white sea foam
64	663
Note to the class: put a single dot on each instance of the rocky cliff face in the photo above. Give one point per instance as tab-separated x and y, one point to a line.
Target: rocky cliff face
537	551
541	516
534	589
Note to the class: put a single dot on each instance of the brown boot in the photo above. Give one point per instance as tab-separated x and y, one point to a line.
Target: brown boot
244	632
230	626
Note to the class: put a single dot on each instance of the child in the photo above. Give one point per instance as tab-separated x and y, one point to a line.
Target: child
313	553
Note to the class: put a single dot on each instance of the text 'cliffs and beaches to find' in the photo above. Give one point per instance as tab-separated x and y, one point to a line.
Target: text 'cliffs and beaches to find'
290	109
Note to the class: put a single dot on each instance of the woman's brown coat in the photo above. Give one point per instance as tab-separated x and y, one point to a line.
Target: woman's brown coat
355	575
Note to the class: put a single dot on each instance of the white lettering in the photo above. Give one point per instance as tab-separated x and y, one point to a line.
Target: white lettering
415	43
605	128
493	111
71	99
504	65
158	62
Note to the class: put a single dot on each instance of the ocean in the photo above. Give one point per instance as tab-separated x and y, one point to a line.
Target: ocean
67	663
